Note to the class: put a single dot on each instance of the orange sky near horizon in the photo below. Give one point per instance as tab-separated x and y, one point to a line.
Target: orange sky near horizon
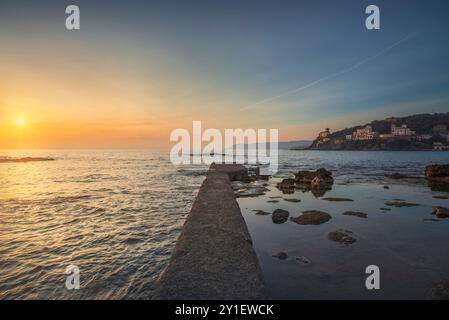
82	102
74	105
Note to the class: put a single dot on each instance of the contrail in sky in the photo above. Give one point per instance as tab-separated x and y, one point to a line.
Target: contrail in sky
333	75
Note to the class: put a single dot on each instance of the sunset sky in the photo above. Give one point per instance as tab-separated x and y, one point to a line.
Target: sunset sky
138	69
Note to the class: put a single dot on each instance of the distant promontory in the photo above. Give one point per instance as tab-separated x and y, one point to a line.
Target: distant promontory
415	132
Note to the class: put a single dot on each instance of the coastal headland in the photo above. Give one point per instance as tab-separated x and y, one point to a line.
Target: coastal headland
411	133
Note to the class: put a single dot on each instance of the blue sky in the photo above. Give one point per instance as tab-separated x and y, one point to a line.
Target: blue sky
237	63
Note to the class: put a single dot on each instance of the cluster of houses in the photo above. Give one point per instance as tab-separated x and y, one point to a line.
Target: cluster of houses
367	133
397	132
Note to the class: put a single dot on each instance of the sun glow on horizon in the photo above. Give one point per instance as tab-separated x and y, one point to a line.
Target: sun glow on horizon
20	121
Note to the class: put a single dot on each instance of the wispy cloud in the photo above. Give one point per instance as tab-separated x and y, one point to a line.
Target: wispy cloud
333	75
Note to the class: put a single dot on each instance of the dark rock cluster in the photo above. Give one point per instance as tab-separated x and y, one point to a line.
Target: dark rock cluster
440	212
318	182
437	172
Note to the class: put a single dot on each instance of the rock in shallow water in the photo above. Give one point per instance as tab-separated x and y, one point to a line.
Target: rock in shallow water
431	220
305	177
396	176
341	236
442	197
280	216
312	217
440	212
261	213
317	179
356	214
248	190
303	260
338	199
319	183
292	200
286	184
281	256
400	204
438	172
440	290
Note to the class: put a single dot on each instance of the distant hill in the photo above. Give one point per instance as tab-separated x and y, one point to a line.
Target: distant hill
288	145
422	124
295	145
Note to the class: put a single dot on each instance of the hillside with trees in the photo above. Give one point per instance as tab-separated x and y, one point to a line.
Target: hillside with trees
422	126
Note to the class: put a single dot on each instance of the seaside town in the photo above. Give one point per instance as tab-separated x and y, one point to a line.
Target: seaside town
437	139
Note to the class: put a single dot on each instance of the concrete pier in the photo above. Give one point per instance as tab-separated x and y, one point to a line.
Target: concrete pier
213	257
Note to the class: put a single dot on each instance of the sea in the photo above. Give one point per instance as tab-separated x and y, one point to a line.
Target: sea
116	216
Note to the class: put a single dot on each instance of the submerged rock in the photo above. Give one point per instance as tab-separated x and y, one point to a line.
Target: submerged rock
280	216
396	176
438	186
431	220
400	203
312	217
386	187
303	260
292	200
341	236
248	190
443	197
437	172
385	209
440	212
356	214
273	201
338	199
280	255
440	290
261	213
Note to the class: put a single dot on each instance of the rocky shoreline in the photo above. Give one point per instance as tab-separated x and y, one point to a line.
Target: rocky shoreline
339	221
181	278
320	181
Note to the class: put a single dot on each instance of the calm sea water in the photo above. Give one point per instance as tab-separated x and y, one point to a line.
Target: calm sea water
114	214
407	244
117	214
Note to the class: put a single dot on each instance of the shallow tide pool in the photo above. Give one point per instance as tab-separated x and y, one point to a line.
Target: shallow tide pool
407	244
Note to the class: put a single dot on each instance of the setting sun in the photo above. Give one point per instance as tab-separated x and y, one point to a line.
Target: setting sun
20	122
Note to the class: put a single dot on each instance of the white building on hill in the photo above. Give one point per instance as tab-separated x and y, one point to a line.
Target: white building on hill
401	131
